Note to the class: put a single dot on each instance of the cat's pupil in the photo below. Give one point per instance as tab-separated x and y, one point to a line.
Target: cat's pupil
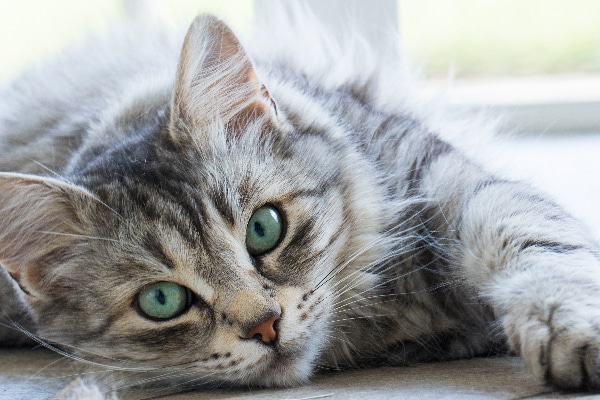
160	297
259	229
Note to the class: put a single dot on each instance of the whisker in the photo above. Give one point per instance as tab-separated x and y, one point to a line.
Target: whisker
156	378
376	264
361	317
385	282
63	179
48	169
380	262
160	392
39	371
394	233
343	308
356	278
331	274
72	356
353	257
109	208
73	375
79	236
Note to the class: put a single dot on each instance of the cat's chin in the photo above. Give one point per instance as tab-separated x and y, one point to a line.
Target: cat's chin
282	368
285	371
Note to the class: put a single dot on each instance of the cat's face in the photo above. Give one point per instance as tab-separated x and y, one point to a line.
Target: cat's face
247	230
214	247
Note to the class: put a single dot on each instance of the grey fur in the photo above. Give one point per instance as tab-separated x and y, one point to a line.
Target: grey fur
124	167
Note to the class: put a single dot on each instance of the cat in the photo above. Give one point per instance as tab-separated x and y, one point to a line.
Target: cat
207	214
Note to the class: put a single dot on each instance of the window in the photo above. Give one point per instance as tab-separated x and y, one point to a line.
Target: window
537	62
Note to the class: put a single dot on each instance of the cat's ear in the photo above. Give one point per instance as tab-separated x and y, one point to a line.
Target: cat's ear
216	80
38	223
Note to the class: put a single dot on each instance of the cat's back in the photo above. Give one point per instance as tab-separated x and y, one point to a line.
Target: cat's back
49	111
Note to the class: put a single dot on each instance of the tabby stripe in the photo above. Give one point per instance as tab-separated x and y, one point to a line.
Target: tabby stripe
319	254
169	338
554	247
435	148
317	192
172	187
185	221
184	213
338	268
393	126
489	182
224	208
102	328
438	148
156	248
299	245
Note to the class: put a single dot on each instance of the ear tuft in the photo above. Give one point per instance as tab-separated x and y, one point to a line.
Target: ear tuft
216	81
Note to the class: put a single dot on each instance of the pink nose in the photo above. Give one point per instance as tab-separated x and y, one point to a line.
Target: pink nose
265	331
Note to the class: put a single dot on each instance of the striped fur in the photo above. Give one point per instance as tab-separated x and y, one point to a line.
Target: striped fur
397	248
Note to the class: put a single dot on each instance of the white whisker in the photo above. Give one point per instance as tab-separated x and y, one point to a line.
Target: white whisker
79	236
72	356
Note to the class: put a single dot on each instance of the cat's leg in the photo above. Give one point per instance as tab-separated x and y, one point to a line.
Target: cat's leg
537	266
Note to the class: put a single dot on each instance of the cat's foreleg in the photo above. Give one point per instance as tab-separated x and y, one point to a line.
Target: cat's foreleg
537	266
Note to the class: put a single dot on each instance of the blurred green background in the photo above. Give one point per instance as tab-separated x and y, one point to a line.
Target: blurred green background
33	29
482	38
473	38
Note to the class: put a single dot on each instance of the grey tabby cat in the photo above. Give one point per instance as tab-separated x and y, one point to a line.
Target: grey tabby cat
222	220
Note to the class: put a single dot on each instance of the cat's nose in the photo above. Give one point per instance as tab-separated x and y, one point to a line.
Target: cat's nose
265	331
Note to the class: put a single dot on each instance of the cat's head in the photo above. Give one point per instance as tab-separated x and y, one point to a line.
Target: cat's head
216	244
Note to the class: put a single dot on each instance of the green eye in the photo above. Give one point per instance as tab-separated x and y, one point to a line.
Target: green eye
264	230
164	300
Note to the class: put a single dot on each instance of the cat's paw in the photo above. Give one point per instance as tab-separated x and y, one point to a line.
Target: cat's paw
559	343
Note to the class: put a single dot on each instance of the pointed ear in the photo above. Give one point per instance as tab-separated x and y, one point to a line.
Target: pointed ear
38	223
217	81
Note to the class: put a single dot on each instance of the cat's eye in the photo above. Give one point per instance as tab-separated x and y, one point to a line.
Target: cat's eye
164	300
264	230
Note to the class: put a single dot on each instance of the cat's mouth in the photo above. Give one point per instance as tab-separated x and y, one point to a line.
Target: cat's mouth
288	352
289	362
285	367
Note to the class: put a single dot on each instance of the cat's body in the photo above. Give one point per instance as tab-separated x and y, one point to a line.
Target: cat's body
394	248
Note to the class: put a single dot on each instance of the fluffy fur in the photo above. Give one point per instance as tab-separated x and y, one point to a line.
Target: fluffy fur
138	168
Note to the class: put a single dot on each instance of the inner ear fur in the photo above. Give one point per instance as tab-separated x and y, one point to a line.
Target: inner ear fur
38	221
216	81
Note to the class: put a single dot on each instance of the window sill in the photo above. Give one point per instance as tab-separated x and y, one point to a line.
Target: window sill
554	104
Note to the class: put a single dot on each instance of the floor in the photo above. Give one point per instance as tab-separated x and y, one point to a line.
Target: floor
39	374
565	166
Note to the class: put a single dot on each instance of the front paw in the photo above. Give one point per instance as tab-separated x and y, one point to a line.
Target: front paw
559	343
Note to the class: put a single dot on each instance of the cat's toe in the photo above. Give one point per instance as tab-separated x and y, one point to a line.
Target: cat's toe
590	367
561	346
574	362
